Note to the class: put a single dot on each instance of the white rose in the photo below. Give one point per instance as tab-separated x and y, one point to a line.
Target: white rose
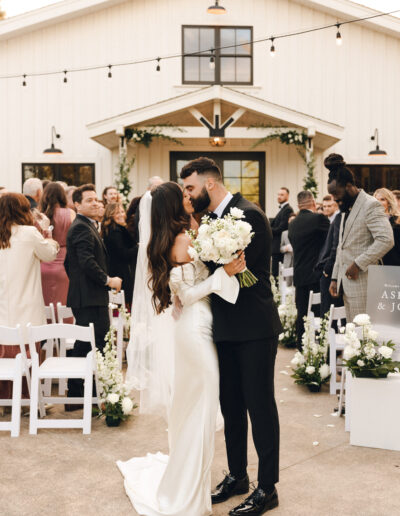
372	334
282	310
281	335
113	398
310	369
350	327
349	352
360	363
127	405
237	213
204	230
385	351
194	255
324	371
370	352
362	319
300	358
295	361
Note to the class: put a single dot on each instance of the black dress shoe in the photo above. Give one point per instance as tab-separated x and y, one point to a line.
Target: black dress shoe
230	486
257	503
72	407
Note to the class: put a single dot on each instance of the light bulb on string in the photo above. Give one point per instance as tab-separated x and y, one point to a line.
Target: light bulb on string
339	40
24	81
212	60
65	76
158	69
272	49
109	72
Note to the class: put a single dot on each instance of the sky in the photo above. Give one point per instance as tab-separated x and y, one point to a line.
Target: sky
14	7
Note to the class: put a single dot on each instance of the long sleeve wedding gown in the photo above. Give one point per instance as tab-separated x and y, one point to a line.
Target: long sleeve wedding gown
180	485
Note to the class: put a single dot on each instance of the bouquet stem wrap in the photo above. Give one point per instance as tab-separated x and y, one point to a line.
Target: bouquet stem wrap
246	278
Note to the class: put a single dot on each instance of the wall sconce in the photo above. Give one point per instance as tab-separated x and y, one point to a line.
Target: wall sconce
217	141
377	151
216	9
52	149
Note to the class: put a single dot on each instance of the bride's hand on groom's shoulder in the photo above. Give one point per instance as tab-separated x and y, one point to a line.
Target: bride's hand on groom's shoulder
237	265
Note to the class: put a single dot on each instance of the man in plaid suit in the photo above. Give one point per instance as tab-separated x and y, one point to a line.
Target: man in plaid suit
365	237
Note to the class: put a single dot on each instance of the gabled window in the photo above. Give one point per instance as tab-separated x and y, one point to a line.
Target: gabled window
209	63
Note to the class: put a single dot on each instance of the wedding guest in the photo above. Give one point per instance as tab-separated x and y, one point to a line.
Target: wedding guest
33	190
330	208
45	182
100	215
86	267
22	248
389	203
319	208
70	203
307	235
365	237
396	193
110	194
54	278
278	225
63	184
154	181
131	214
287	250
121	247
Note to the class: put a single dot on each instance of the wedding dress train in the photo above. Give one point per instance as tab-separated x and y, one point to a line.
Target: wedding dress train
180	485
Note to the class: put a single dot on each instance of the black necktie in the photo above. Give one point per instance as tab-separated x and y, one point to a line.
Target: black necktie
212	215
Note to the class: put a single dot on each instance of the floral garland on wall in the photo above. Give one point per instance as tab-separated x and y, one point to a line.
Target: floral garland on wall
141	137
299	139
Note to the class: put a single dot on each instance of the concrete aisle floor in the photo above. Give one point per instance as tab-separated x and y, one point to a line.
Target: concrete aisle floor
62	472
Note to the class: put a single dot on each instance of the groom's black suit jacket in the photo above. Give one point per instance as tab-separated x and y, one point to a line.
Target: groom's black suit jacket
254	316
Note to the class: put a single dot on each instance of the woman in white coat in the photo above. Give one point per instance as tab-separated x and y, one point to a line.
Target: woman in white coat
22	248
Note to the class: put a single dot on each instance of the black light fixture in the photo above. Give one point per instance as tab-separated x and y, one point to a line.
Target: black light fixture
272	49
377	151
339	40
52	149
158	67
212	60
216	9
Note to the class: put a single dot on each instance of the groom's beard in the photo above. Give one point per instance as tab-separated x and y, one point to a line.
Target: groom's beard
202	202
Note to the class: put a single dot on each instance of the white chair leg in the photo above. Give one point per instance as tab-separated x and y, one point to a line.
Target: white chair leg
42	410
87	396
49	353
16	401
332	364
62	382
33	416
342	388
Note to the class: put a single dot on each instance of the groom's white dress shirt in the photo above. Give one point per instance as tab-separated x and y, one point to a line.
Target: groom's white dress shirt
223	204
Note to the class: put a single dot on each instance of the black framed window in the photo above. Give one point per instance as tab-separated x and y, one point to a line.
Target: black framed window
243	172
71	173
231	65
372	177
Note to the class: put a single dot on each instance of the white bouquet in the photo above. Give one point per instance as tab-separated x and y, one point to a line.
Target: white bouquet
221	240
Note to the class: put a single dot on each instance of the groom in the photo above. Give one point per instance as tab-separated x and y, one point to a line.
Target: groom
246	335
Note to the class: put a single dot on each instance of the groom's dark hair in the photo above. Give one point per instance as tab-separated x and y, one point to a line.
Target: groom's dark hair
202	166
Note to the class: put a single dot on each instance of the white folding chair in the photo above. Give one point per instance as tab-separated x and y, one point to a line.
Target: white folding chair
115	298
50	344
284	274
336	343
314	299
63	313
120	338
12	369
62	367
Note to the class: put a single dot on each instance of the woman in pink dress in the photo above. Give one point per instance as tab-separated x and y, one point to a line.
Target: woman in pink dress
54	278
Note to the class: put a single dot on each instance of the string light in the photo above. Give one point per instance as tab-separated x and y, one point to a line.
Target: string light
109	71
212	60
339	40
272	49
173	56
65	76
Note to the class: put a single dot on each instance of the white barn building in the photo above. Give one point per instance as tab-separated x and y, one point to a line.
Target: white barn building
339	93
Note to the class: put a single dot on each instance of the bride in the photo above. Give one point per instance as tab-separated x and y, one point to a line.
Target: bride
180	485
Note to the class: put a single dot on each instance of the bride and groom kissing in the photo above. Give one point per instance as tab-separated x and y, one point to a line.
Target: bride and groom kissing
225	343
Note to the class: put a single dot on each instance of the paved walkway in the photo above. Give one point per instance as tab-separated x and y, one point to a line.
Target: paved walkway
64	473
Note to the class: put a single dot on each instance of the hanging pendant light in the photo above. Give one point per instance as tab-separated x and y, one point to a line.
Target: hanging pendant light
377	151
52	149
216	9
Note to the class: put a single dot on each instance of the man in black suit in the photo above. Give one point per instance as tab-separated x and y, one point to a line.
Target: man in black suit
307	234
246	335
86	267
278	225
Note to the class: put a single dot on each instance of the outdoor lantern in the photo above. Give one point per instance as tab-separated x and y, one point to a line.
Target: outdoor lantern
217	141
216	9
52	149
377	151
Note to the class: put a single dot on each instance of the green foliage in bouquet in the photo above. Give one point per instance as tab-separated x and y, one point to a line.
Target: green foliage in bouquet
288	314
310	367
116	404
363	356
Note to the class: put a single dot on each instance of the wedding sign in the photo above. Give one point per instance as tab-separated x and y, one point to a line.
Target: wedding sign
383	301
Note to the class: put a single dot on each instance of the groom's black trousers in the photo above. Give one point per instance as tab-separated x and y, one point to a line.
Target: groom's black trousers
247	385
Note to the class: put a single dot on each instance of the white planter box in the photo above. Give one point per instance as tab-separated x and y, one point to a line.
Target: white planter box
375	412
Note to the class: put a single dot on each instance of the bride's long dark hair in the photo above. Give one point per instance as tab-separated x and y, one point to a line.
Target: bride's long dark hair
168	219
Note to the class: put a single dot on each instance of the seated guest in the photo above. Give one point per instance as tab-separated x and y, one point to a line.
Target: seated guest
287	250
120	247
389	203
110	194
54	278
307	233
22	248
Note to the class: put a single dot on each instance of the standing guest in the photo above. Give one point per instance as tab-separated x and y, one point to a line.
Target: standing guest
22	248
54	278
131	214
278	225
45	182
86	267
63	184
389	203
68	192
319	207
120	246
330	208
110	194
33	191
154	181
396	193
100	214
365	237
287	250
307	235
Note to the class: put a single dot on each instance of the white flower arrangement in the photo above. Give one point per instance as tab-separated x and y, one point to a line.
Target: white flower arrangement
363	356
309	365
221	240
276	292
288	314
114	393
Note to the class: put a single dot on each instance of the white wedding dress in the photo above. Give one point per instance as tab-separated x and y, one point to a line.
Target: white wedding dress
180	485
